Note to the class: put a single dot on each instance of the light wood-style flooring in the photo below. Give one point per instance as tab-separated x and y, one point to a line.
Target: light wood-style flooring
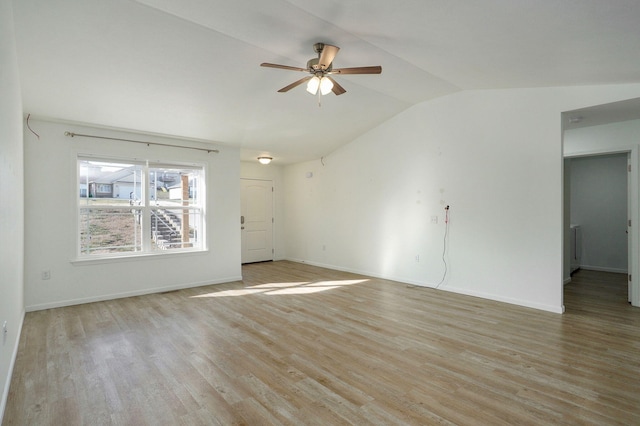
295	344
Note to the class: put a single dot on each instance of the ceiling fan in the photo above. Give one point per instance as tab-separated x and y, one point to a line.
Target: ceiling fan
321	69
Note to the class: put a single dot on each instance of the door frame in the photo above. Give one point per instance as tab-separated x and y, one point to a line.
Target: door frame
633	206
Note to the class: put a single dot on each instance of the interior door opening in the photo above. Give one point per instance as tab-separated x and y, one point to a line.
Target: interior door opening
605	129
604	240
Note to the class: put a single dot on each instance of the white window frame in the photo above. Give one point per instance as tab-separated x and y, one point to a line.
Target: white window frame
146	207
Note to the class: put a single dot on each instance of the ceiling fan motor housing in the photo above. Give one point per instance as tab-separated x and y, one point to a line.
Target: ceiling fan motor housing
312	66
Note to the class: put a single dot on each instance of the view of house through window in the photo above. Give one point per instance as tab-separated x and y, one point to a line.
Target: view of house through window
136	207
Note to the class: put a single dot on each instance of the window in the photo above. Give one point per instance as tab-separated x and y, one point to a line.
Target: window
134	207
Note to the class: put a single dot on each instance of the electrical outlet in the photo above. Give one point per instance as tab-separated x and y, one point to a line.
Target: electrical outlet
434	219
417	258
46	274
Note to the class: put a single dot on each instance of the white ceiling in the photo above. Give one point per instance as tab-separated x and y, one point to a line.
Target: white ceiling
190	68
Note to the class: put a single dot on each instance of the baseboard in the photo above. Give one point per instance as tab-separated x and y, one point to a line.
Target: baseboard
512	301
102	298
14	355
604	269
488	296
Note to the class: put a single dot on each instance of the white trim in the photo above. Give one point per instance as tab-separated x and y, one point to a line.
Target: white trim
261	179
14	355
135	257
102	298
604	269
603	151
525	303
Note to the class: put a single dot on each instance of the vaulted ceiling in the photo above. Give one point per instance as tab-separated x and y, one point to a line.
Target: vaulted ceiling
190	68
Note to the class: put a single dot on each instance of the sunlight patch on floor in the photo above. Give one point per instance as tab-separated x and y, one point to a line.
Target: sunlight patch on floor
279	285
227	293
339	283
300	290
279	289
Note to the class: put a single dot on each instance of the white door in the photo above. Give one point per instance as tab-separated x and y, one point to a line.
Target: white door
256	220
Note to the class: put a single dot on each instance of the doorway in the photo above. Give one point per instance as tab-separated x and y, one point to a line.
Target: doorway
607	129
256	220
600	201
598	208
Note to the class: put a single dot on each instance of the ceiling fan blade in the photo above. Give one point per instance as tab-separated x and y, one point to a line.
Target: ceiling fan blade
358	70
337	89
283	67
329	52
295	84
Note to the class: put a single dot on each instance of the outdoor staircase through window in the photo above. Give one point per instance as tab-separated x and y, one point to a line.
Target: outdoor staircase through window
166	229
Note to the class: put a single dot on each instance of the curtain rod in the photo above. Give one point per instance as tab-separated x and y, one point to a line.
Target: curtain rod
71	134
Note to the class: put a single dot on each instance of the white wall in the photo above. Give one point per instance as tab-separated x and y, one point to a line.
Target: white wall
12	201
272	172
599	205
50	237
494	156
598	138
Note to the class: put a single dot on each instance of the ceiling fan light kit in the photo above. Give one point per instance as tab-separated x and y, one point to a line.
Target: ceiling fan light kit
313	85
323	83
320	69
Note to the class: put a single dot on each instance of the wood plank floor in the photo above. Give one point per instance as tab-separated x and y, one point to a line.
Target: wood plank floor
299	345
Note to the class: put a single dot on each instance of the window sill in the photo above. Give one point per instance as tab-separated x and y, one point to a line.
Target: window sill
85	261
